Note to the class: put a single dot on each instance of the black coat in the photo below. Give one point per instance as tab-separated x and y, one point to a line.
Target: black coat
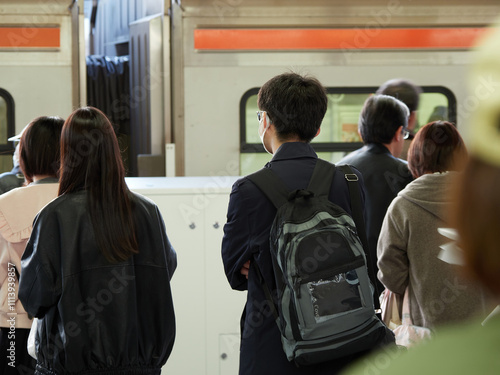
384	176
11	180
94	315
246	237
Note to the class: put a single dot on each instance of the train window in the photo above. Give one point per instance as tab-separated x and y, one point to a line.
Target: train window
7	130
339	130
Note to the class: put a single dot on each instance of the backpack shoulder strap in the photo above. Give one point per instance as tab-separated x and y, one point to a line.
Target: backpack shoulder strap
357	216
355	197
274	189
322	178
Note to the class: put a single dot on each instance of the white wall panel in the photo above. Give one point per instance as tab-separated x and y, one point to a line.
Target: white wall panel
207	310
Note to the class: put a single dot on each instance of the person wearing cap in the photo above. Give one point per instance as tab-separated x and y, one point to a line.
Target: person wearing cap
39	161
470	348
14	178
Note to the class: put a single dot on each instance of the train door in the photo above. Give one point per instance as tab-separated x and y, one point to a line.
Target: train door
128	77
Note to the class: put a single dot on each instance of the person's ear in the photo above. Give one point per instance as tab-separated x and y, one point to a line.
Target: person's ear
399	134
360	136
317	133
267	121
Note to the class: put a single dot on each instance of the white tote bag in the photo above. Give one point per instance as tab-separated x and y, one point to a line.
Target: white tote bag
408	334
31	338
390	305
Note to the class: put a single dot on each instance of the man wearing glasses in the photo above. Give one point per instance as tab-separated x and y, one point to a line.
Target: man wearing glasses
408	93
292	108
382	125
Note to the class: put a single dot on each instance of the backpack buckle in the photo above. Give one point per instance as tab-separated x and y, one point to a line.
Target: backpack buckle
351	177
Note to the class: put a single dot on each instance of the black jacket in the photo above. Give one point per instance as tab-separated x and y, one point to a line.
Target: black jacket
384	176
246	237
97	316
11	180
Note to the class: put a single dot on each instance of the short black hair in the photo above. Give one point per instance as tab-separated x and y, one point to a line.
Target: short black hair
404	90
295	104
380	117
39	147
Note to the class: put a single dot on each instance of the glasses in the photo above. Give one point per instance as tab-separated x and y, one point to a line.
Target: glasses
259	114
406	134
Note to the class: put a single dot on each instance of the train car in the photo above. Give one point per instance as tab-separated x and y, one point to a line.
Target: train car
179	79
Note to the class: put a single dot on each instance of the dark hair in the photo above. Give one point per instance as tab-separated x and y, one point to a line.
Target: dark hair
295	105
90	160
437	147
404	90
380	117
39	150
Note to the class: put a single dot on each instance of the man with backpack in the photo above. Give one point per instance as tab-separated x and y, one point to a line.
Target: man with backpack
313	277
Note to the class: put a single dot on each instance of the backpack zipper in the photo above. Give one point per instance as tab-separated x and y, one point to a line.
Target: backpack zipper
354	235
359	262
296	286
343	338
356	263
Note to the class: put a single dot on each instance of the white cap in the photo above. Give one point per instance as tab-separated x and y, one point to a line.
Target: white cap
18	136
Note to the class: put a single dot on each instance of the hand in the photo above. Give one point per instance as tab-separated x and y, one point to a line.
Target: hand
245	268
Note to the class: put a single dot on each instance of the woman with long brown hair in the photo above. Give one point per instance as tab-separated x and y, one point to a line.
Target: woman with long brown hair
97	267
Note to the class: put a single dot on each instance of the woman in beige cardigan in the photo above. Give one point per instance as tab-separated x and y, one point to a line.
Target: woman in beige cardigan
39	160
409	242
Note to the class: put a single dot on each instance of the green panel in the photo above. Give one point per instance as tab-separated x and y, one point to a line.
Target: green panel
433	106
5	163
252	124
341	119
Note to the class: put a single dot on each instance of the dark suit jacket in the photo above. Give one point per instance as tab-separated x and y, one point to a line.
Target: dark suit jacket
246	237
384	176
11	180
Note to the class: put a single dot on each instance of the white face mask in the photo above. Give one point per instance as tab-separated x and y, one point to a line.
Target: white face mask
264	132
